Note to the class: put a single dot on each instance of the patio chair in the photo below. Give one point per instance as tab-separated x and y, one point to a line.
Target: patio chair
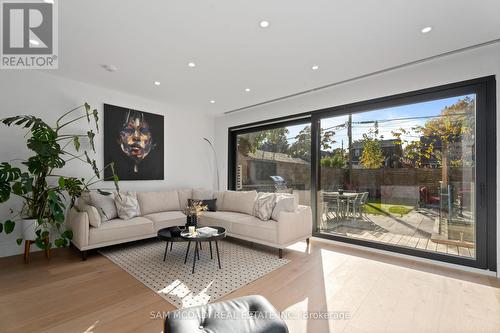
358	202
333	202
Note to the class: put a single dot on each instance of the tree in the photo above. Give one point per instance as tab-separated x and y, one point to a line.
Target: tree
372	157
336	161
301	148
455	124
273	140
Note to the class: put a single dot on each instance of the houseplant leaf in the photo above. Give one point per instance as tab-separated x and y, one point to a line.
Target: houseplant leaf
9	226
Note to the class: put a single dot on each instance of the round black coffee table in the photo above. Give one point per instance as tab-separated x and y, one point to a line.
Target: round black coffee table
171	235
198	238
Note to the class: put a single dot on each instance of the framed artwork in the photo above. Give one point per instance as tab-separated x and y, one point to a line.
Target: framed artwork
133	140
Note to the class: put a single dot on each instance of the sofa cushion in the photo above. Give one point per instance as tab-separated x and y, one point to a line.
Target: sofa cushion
127	205
202	194
239	201
219	196
118	229
184	196
166	219
241	224
155	202
284	203
92	213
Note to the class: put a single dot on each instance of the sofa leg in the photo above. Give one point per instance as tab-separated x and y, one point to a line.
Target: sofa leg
84	255
307	241
280	253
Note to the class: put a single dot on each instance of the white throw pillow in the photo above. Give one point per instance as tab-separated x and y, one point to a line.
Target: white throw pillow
284	203
239	201
202	194
105	205
264	205
127	205
92	213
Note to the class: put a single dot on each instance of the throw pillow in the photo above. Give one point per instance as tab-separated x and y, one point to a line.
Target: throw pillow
210	203
264	205
105	205
284	203
127	205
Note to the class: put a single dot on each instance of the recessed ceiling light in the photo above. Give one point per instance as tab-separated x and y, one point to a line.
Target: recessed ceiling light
49	1
247	89
157	83
264	24
315	67
191	64
34	42
426	30
110	68
212	101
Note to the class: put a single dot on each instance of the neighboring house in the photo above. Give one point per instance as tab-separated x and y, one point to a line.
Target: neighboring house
391	149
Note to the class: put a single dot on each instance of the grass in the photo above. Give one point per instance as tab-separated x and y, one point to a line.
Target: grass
378	208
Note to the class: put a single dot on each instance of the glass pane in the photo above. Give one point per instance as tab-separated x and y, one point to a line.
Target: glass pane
403	176
276	160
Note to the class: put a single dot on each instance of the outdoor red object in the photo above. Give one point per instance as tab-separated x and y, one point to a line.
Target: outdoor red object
427	198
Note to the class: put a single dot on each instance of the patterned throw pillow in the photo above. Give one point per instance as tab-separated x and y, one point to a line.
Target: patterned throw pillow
264	205
127	206
105	205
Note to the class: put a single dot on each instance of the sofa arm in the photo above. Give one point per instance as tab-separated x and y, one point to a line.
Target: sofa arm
78	222
295	226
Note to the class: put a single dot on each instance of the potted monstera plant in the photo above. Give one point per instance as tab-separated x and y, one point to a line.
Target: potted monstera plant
44	192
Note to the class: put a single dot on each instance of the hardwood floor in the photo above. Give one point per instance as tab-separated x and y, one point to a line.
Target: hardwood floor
379	293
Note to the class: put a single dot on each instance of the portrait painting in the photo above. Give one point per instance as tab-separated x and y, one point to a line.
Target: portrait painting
133	140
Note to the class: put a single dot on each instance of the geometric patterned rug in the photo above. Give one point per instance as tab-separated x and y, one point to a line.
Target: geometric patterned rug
172	279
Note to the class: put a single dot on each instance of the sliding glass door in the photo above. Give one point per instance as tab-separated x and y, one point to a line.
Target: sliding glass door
403	176
413	173
275	159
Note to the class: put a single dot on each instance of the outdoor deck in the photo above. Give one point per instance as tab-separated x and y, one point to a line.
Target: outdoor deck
412	230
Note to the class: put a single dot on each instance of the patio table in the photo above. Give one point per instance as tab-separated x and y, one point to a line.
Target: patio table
347	196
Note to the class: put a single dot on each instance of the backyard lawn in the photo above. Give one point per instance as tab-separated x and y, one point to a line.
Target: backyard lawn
378	208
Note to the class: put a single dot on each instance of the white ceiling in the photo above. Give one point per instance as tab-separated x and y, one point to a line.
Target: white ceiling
153	40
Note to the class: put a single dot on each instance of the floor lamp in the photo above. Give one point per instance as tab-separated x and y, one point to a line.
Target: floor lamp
216	162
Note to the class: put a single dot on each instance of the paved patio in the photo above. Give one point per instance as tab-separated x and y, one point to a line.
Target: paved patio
414	230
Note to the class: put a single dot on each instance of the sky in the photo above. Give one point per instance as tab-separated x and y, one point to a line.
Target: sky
389	120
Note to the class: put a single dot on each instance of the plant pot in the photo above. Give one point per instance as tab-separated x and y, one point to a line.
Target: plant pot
28	228
191	221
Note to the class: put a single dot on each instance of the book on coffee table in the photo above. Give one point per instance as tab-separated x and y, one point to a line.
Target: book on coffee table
207	231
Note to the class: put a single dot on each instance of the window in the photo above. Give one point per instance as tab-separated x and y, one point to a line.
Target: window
411	182
276	159
413	173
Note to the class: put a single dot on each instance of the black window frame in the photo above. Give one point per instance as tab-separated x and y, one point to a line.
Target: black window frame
486	223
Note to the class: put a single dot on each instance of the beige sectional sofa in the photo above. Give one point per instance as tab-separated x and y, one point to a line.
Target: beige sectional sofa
235	212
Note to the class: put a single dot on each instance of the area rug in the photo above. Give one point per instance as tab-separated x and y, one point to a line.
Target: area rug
172	279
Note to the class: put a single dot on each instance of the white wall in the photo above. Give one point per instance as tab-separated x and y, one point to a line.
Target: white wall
453	68
188	160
